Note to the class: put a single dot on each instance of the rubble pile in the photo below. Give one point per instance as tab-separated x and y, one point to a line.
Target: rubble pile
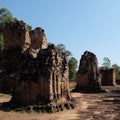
88	75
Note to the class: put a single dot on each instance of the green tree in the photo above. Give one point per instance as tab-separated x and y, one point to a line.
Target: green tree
5	16
72	68
72	62
67	53
30	27
106	64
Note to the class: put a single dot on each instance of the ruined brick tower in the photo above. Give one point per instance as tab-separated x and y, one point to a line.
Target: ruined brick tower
41	72
87	76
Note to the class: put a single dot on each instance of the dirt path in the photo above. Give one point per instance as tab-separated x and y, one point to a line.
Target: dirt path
101	106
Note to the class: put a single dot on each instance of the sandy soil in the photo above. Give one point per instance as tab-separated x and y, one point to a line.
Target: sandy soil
4	98
99	106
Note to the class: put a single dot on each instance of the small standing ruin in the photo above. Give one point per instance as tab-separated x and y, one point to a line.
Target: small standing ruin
88	75
108	77
40	72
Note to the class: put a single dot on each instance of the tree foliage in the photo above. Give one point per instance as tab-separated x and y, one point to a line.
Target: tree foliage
67	53
72	68
30	27
106	64
5	16
72	62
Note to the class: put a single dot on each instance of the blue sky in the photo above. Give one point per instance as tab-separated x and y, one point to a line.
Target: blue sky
81	25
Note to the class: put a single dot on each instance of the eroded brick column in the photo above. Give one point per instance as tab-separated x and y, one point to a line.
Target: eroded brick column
88	75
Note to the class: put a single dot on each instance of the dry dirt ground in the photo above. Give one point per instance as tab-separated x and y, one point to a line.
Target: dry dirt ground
98	106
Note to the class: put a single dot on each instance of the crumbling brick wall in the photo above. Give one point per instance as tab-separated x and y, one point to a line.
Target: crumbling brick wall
43	79
108	77
38	39
16	40
87	76
40	72
16	34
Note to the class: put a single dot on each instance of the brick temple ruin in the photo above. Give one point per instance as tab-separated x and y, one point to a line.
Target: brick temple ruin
88	79
108	77
40	72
